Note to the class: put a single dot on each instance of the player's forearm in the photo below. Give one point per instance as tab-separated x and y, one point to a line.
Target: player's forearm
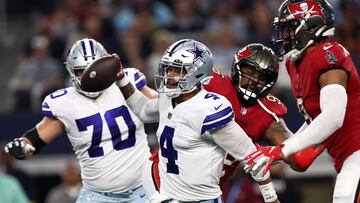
301	161
233	140
126	88
326	123
145	109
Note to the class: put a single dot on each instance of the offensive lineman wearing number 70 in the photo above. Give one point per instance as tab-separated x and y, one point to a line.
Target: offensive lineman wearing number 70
108	139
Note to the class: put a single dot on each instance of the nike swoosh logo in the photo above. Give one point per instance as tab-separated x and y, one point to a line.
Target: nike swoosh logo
327	47
217	108
143	195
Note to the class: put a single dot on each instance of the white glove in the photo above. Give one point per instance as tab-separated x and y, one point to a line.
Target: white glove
256	169
18	149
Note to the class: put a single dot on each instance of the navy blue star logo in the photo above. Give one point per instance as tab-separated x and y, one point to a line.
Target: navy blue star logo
197	52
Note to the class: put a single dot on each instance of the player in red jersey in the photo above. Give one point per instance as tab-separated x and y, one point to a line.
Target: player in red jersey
259	114
327	87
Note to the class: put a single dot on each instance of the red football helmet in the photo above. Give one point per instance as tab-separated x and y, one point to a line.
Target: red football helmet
301	23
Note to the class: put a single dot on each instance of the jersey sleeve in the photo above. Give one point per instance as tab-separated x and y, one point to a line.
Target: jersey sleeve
53	103
219	113
274	105
136	77
332	55
47	107
46	110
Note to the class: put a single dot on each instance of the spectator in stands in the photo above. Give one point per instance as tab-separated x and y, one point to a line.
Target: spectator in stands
27	181
348	30
160	40
10	189
36	77
69	188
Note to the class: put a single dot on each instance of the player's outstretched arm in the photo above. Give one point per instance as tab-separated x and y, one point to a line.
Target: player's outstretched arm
146	109
235	141
35	139
278	133
333	85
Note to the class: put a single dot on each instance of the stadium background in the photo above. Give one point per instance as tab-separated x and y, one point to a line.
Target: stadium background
35	34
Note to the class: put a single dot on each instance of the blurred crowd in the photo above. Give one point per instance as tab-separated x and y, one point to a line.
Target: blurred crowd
140	30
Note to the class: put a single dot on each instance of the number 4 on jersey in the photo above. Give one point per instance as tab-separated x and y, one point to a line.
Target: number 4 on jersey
168	151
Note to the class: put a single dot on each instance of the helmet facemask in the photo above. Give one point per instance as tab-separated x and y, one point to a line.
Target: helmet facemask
299	25
190	61
252	82
173	86
81	54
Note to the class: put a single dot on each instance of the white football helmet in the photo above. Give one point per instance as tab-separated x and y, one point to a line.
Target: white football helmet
190	56
81	54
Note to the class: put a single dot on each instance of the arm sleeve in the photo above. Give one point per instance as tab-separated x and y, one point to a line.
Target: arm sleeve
327	122
145	109
233	140
302	128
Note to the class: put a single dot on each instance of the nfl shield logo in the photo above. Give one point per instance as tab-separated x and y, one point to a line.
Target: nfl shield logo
169	116
243	111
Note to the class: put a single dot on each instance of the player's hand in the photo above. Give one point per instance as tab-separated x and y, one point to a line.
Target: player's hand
259	162
19	149
302	160
121	73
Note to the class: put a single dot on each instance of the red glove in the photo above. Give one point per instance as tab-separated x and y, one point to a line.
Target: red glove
262	158
303	159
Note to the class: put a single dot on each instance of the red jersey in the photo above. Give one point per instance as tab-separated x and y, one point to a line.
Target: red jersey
304	83
254	120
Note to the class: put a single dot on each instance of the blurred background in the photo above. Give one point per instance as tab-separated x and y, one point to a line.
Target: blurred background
35	36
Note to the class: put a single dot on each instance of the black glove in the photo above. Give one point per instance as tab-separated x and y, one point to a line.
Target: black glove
18	149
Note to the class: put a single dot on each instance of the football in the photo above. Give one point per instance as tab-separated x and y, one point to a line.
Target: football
100	74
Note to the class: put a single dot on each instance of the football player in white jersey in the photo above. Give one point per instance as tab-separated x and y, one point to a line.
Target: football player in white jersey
196	127
107	137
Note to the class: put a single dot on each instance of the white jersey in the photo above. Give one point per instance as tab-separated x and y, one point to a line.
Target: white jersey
191	163
108	139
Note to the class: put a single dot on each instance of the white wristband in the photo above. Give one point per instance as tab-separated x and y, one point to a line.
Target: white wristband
268	192
123	82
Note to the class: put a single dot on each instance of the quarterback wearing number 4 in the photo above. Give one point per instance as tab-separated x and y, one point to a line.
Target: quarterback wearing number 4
254	72
327	87
108	139
196	127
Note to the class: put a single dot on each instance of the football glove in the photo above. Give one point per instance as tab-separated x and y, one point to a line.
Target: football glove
19	149
259	162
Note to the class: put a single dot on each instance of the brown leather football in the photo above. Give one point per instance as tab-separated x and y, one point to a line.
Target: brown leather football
100	74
